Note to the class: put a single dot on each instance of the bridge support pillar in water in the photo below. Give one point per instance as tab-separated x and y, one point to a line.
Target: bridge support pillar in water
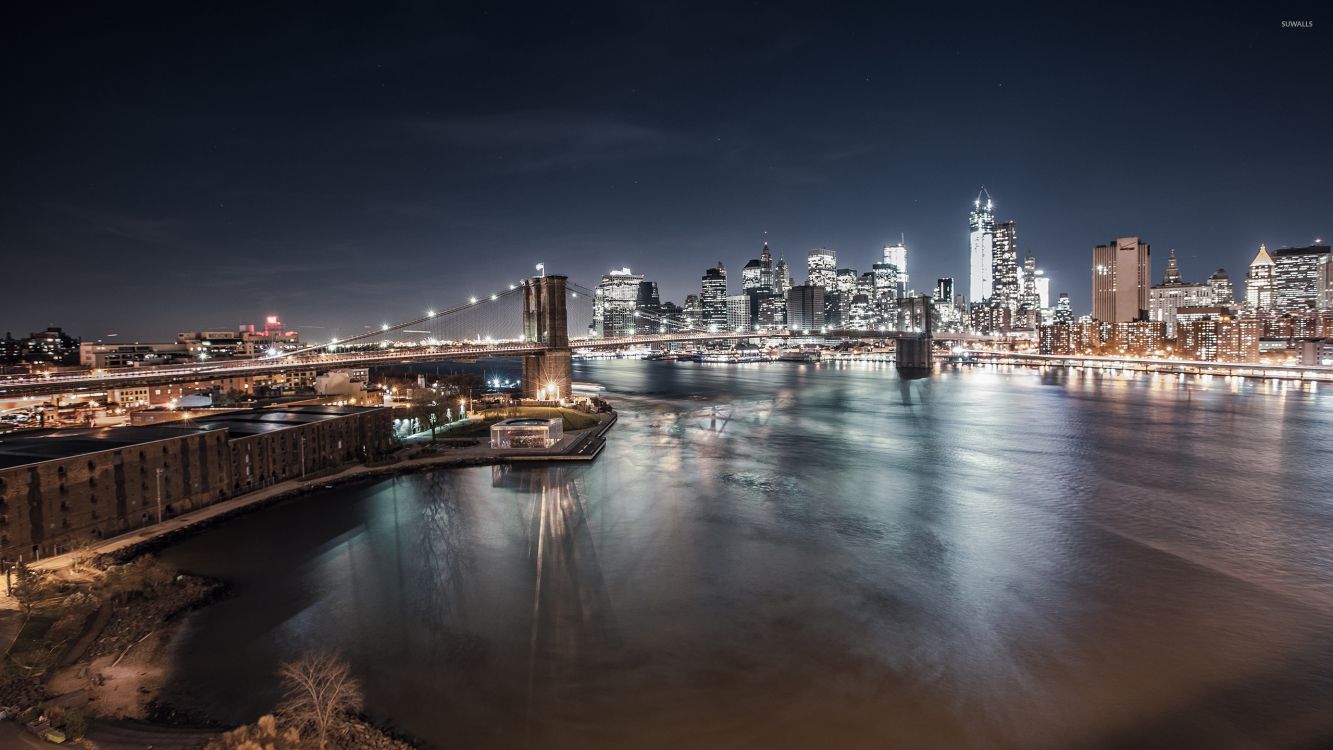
915	350
546	321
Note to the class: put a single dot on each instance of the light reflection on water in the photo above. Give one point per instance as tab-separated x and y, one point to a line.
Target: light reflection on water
823	555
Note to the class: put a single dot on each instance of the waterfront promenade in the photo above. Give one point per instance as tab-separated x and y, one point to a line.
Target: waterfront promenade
1308	373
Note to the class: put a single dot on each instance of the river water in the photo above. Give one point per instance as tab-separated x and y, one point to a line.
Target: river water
802	556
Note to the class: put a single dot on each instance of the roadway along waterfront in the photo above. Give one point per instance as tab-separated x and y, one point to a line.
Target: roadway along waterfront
796	556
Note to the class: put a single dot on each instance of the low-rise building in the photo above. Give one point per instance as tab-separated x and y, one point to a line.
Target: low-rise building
59	487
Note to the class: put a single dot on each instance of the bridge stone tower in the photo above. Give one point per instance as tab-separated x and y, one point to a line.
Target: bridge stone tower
915	351
546	322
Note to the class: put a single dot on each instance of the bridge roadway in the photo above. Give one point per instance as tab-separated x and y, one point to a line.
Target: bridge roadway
130	377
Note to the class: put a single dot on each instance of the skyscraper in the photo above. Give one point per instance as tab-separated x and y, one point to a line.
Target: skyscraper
614	302
1005	289
1259	281
1173	293
766	266
1220	283
982	223
1302	278
805	308
1064	311
1028	299
713	299
752	276
897	255
738	312
822	267
1172	275
944	290
839	306
1043	289
782	278
691	311
648	309
885	297
1120	280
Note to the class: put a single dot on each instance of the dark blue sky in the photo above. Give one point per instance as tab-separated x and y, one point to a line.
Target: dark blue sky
177	166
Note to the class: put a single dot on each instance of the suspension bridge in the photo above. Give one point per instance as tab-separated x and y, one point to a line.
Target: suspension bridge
531	320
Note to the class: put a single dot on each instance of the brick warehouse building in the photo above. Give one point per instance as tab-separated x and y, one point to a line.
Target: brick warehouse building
60	486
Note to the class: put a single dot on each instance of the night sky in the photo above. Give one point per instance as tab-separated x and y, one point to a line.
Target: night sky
197	165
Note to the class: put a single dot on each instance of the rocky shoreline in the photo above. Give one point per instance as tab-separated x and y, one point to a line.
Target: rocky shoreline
111	668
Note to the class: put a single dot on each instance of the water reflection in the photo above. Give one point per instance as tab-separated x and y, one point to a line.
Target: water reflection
824	557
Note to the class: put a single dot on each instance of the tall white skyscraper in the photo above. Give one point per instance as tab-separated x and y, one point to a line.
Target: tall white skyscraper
897	255
982	223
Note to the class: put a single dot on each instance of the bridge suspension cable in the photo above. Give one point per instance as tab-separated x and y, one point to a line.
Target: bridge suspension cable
430	317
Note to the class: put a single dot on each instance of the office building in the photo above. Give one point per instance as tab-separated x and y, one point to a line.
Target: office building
1064	309
1259	281
713	299
981	225
752	276
1120	280
1165	299
822	267
773	313
614	302
1223	293
1302	278
691	312
805	308
648	309
1005	289
782	280
738	312
897	255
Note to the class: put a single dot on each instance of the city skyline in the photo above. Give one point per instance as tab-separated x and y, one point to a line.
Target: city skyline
313	152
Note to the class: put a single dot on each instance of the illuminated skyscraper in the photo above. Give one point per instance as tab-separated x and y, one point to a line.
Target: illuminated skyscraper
752	276
1064	311
1302	278
782	278
713	299
822	267
1172	275
1120	280
1005	289
738	312
614	302
982	223
897	255
766	265
1220	283
1028	299
1259	281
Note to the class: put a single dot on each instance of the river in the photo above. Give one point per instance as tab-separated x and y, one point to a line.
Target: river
801	556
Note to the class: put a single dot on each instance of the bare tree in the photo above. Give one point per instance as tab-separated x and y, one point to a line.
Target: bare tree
29	587
319	692
81	552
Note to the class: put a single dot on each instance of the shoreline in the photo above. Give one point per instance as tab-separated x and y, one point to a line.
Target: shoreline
585	447
140	710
